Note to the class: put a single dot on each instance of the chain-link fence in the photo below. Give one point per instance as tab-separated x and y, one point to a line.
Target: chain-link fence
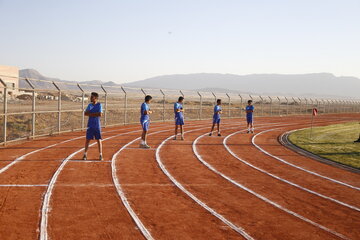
40	107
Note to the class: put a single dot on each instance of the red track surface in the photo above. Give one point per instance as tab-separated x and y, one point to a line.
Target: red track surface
240	191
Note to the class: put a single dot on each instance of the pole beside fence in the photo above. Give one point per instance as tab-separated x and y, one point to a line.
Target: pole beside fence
106	108
214	97
200	110
229	105
279	106
59	106
163	109
300	106
33	108
5	111
241	103
125	105
82	107
262	106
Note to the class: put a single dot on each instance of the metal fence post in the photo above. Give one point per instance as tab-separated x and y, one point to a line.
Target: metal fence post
317	104
262	106
214	97
82	106
279	105
306	105
241	103
105	113
287	106
125	105
32	108
229	102
251	100
329	105
59	107
182	94
163	104
294	106
270	105
5	110
200	110
300	106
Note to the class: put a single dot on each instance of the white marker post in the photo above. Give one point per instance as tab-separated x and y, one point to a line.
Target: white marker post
314	113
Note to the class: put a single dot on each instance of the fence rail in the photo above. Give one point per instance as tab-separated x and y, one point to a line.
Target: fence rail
40	107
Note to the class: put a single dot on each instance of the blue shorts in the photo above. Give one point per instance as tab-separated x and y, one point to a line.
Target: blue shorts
216	120
92	133
249	119
145	124
179	121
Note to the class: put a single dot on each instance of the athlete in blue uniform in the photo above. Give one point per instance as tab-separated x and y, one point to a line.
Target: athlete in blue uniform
249	117
179	117
145	120
94	112
216	117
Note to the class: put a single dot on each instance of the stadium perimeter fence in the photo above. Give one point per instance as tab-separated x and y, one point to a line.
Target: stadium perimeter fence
41	108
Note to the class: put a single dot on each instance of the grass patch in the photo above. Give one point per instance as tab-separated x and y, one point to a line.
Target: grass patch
334	142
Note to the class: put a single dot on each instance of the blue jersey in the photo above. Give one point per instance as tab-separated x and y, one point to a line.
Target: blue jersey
144	107
217	108
178	106
249	108
94	122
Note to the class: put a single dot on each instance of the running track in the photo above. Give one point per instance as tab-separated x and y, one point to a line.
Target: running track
238	186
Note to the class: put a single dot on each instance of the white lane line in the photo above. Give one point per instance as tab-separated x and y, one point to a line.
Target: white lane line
46	201
22	157
145	232
90	161
6	167
199	157
281	179
238	229
296	166
23	185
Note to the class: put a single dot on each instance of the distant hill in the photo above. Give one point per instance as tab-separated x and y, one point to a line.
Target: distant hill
33	74
316	84
309	85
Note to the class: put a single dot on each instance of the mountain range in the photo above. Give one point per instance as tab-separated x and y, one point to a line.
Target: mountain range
307	85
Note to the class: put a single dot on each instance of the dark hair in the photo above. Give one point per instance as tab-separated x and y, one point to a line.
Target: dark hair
180	99
250	101
218	101
95	94
148	98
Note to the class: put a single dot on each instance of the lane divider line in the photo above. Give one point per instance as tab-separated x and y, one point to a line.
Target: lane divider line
45	209
296	166
282	179
238	229
276	205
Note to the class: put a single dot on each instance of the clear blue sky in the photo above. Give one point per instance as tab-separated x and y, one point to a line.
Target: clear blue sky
132	40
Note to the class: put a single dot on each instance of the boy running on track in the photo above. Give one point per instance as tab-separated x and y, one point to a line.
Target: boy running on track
94	112
249	117
145	120
216	117
179	117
